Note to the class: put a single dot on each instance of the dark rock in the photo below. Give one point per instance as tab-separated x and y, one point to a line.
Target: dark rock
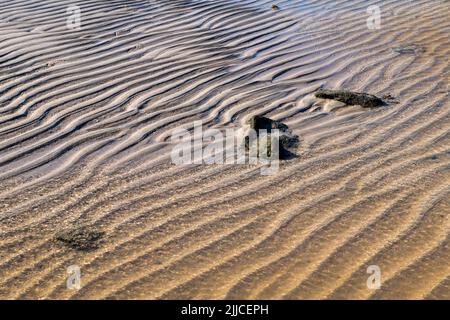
286	139
351	98
80	238
263	123
275	7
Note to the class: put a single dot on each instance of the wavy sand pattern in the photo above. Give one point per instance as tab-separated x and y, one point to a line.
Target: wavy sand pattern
85	122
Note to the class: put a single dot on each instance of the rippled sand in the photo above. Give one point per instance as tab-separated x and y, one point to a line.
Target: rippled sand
85	124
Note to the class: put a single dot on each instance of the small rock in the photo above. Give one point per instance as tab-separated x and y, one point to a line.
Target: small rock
263	123
275	7
80	238
364	100
286	139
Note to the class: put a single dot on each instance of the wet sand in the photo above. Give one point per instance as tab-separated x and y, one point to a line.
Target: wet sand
85	124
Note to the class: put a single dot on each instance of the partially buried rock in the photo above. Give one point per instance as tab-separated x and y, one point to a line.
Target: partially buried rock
351	98
286	139
81	238
275	7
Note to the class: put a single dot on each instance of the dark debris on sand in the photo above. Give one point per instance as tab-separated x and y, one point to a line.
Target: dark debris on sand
364	100
287	140
409	49
80	238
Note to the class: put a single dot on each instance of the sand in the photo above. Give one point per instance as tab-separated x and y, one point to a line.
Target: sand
85	123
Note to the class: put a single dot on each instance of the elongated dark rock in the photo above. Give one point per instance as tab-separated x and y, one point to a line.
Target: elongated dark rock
351	98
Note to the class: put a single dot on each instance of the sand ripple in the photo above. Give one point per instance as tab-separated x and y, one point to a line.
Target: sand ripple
85	121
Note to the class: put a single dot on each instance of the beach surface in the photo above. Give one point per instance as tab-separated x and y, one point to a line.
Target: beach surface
86	116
